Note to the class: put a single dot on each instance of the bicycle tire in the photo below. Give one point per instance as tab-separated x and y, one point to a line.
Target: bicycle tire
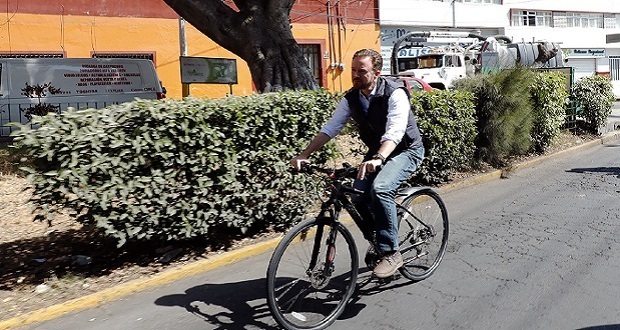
302	298
422	247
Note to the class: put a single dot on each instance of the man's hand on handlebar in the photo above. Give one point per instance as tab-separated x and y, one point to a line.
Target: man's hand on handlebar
299	162
369	166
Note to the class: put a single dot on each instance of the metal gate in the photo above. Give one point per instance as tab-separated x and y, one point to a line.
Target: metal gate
614	68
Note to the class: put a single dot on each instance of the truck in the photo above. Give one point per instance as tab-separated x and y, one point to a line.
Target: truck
469	54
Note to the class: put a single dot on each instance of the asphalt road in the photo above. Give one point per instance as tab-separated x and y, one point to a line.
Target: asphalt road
537	250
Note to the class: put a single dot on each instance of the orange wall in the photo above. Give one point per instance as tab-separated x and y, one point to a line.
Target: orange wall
79	35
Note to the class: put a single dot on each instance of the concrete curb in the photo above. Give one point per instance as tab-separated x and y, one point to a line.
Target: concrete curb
114	293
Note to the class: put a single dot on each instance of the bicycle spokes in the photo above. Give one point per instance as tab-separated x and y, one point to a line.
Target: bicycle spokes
423	229
310	280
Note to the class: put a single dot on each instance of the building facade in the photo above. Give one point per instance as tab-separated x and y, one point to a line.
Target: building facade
328	31
586	30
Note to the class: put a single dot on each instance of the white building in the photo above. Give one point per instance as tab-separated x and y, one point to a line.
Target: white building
588	31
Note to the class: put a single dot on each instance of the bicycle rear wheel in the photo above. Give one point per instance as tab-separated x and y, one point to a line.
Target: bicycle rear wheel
422	234
309	279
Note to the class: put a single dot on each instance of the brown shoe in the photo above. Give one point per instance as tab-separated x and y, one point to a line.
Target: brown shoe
388	265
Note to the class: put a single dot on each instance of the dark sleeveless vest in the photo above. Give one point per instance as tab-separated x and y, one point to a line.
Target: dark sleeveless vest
372	124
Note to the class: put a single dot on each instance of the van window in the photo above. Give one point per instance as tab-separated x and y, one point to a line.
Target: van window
415	86
142	56
32	55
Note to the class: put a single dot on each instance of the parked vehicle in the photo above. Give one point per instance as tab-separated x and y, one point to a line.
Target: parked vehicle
35	86
417	84
467	55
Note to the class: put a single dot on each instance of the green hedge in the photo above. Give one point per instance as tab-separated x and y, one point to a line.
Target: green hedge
503	113
177	169
447	123
595	96
181	169
549	98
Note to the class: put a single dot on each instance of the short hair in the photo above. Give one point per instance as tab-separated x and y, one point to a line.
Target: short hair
377	60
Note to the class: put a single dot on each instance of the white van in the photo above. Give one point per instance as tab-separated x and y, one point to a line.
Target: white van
73	82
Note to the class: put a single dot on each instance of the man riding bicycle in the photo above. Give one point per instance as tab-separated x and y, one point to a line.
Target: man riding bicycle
382	110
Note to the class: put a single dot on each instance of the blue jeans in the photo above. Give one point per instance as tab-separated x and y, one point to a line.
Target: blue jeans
382	186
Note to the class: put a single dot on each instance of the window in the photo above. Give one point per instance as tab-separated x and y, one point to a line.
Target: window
32	55
584	20
531	18
559	20
145	55
592	20
415	86
312	54
452	61
609	21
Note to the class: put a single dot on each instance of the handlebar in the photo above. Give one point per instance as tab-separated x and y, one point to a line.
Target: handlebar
347	171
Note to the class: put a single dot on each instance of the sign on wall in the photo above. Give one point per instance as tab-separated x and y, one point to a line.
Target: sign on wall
585	52
208	70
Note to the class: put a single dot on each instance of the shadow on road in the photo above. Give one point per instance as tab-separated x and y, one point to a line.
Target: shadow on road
230	300
368	286
241	304
605	170
602	327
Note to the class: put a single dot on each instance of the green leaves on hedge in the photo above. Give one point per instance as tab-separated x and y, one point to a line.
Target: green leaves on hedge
447	123
176	169
181	169
595	96
503	111
548	106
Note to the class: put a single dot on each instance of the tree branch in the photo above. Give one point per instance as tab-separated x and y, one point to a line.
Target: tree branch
281	7
258	31
214	19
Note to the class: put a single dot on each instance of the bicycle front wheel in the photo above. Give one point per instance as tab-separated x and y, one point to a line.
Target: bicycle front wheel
422	234
312	274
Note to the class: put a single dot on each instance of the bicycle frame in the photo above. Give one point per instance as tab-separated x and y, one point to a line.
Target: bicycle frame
338	200
404	193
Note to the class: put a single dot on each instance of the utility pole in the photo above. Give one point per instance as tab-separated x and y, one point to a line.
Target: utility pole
183	45
454	13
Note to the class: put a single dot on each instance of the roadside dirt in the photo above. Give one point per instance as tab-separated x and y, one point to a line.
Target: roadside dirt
42	265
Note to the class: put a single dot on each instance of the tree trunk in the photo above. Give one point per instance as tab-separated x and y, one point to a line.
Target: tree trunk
259	32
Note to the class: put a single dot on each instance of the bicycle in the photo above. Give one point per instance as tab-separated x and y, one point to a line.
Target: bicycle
310	279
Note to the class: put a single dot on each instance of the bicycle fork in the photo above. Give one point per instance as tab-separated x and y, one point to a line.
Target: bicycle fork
321	276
